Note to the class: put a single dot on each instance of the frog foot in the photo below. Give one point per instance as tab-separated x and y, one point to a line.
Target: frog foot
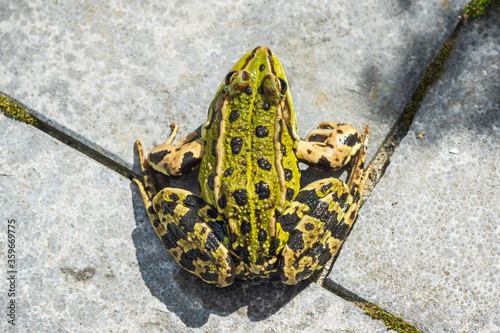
340	143
178	159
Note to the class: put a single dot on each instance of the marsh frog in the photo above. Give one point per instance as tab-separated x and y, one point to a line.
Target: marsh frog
252	219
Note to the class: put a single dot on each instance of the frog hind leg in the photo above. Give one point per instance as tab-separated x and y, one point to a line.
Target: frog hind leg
323	213
191	230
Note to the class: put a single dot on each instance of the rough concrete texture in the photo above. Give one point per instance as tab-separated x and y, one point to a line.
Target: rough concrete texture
84	264
109	73
77	264
426	243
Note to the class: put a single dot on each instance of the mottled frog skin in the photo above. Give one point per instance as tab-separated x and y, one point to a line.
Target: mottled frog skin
252	219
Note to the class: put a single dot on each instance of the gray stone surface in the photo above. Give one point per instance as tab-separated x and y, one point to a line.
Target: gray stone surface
426	243
89	261
77	263
110	73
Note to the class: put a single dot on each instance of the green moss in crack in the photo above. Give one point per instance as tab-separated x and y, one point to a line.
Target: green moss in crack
392	322
13	110
431	74
477	8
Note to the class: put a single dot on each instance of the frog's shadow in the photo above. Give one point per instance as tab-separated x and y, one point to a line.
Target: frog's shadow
184	294
191	299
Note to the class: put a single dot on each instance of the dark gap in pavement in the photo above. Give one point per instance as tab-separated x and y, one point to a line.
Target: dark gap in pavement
391	321
74	140
381	161
399	130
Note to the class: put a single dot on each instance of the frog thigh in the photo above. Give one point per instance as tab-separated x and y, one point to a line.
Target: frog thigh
195	234
319	211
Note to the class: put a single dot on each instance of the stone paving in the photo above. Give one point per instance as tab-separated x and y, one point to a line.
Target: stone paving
426	243
90	261
423	248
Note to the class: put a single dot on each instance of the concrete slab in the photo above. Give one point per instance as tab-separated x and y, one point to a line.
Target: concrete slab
87	259
111	73
426	243
76	261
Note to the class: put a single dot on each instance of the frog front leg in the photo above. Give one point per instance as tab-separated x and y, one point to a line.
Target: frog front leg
341	143
178	159
191	230
319	219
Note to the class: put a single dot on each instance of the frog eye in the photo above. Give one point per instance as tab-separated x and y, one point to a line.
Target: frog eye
283	86
238	82
272	88
229	76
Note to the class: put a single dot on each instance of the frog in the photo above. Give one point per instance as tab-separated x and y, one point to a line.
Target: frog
252	219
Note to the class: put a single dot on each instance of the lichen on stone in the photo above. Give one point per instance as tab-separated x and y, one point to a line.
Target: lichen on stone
392	322
477	8
14	110
431	74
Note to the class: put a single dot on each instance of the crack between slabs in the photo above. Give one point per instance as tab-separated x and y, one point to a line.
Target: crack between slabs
14	109
380	162
399	130
375	312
